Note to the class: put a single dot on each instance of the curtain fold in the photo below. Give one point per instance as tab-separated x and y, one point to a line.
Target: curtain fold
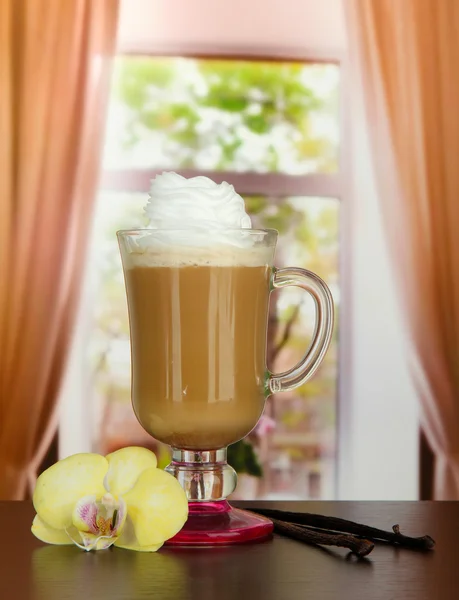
406	55
54	75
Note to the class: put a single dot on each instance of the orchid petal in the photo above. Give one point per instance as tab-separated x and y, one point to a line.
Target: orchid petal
157	506
128	539
105	542
60	487
89	541
125	466
48	534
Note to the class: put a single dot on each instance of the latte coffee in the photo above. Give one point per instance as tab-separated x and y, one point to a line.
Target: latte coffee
198	340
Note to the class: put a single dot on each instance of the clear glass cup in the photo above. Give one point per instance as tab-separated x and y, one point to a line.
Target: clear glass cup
198	311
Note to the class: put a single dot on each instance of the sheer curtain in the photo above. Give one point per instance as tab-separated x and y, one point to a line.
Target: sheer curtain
54	67
406	54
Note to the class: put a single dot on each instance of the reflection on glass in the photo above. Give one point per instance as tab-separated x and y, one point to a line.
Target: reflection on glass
233	115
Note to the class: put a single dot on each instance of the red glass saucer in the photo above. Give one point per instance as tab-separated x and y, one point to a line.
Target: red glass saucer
218	523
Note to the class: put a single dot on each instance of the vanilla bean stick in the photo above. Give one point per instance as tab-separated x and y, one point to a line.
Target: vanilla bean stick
342	525
357	545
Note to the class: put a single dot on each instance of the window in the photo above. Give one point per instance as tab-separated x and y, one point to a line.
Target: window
272	130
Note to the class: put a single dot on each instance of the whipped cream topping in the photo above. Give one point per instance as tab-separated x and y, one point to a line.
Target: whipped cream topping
196	222
196	203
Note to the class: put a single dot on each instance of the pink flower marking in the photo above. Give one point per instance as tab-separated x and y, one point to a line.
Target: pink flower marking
88	513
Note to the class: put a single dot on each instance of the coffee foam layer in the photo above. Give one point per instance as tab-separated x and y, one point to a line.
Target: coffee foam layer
198	257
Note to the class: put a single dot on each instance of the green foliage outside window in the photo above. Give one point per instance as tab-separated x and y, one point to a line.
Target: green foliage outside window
230	115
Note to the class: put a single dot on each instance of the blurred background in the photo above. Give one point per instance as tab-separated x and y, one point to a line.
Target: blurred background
336	122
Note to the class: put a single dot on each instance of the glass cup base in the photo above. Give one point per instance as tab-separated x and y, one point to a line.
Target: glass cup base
219	524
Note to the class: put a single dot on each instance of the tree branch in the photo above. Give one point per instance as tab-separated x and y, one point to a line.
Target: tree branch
287	331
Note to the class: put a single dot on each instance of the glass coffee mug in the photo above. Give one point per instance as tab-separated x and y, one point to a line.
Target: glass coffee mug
198	312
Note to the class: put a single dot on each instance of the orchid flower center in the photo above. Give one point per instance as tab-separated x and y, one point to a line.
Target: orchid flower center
97	523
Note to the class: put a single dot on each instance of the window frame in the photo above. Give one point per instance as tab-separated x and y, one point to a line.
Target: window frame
326	185
247	183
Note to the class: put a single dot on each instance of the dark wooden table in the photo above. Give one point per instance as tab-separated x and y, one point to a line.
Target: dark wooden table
278	569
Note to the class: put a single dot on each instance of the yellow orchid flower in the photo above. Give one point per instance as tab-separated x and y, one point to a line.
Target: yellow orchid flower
95	501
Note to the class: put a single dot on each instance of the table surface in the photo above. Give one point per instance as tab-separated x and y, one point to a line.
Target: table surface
280	568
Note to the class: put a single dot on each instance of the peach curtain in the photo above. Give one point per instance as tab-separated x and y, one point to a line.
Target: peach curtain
54	68
406	54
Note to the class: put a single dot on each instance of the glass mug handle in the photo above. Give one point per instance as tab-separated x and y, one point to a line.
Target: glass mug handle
312	283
